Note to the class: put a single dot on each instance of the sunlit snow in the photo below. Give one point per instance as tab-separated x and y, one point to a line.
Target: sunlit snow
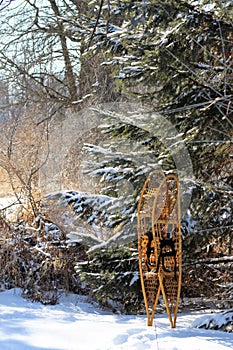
75	324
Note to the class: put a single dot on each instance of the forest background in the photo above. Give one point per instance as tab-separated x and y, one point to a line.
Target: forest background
85	87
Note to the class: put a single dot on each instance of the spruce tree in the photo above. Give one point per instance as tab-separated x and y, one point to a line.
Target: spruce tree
175	58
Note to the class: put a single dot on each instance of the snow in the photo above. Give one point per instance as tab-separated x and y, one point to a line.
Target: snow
215	321
10	205
75	324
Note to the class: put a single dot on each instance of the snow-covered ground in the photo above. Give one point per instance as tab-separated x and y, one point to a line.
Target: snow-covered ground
75	324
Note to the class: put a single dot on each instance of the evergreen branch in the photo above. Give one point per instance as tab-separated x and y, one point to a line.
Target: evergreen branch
195	105
209	261
194	73
213	229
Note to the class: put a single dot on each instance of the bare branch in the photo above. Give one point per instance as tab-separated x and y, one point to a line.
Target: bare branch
5	3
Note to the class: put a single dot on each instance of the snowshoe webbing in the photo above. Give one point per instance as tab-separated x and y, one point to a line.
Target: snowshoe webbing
167	242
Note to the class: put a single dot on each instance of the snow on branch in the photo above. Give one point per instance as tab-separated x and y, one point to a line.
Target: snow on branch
221	260
81	202
220	321
104	221
84	238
